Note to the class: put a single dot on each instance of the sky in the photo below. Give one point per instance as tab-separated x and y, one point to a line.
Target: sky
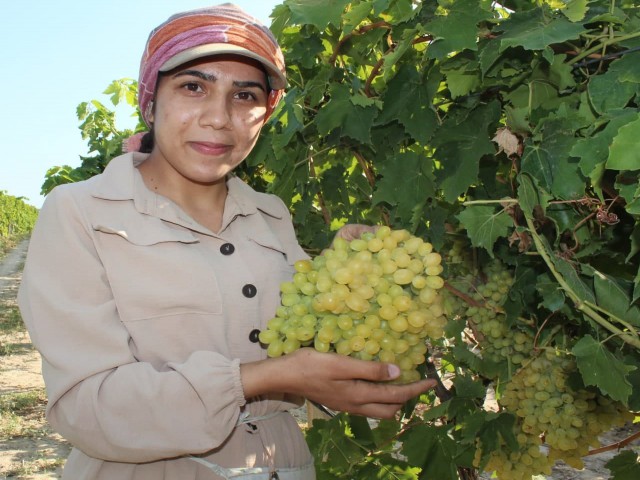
57	54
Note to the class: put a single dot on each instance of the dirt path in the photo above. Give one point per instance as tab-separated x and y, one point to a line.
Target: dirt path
36	452
11	265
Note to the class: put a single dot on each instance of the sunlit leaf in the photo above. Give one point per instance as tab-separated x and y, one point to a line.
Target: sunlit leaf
624	153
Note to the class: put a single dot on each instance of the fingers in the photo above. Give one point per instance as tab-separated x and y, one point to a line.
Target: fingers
352	368
384	400
392	393
351	385
352	231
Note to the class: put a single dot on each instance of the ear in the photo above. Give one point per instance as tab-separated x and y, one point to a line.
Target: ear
149	113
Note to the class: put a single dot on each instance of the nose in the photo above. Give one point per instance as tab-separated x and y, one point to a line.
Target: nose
216	113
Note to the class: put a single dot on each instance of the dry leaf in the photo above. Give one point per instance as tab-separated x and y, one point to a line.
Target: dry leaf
507	141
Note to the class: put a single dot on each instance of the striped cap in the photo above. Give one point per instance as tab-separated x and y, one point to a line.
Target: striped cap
222	29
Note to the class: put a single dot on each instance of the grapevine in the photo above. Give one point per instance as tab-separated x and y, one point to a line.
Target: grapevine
16	216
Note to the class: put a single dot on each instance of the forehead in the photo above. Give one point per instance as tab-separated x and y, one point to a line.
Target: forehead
233	65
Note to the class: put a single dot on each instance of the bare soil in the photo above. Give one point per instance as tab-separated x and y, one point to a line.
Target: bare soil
38	453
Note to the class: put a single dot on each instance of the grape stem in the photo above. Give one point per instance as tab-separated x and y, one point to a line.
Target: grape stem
465	297
441	391
611	315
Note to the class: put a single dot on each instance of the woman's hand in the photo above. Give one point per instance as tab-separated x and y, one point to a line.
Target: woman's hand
336	381
352	231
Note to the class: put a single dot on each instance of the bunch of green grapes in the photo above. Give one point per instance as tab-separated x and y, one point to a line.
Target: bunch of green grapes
373	298
521	464
569	421
488	291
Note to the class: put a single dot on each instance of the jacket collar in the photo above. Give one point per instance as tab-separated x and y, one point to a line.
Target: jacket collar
122	181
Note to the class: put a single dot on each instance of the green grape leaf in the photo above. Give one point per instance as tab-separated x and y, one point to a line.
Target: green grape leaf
624	466
386	431
550	292
385	467
624	153
292	119
530	195
613	299
534	30
459	148
331	441
600	368
404	44
466	387
549	160
571	276
517	119
635	242
628	186
122	89
401	190
340	113
408	101
607	92
361	430
576	10
484	225
397	12
561	73
320	13
634	379
432	449
355	15
456	31
490	428
462	83
594	150
628	67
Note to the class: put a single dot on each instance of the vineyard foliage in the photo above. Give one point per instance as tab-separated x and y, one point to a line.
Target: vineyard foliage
506	134
16	216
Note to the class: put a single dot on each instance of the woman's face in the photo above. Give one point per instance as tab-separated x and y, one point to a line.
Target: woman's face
207	116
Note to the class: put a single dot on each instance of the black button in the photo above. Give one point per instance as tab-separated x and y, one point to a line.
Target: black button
227	249
249	290
253	335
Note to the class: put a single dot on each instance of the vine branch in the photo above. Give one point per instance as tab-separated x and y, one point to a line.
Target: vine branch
615	446
580	303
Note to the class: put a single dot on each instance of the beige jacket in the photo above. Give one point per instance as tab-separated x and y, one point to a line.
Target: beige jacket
142	317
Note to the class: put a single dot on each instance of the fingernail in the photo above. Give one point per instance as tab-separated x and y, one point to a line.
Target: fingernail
394	370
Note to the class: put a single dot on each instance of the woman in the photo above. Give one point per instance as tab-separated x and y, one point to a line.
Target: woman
146	286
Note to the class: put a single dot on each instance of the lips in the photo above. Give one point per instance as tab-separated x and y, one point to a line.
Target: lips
210	148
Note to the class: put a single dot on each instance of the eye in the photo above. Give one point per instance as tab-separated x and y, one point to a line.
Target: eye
192	87
245	95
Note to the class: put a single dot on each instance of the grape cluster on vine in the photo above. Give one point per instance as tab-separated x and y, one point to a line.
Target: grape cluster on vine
372	298
554	421
484	294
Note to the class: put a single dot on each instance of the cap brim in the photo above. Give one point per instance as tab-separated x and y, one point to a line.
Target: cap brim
277	80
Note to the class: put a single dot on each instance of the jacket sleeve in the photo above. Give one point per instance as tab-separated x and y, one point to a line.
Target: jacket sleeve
104	401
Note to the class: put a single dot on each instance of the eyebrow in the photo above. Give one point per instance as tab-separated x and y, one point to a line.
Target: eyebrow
212	78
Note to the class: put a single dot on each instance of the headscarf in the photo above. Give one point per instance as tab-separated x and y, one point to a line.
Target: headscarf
209	31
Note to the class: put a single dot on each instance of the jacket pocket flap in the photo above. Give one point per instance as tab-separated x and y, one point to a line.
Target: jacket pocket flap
149	231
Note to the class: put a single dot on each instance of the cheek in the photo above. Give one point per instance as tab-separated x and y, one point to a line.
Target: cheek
178	116
252	121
